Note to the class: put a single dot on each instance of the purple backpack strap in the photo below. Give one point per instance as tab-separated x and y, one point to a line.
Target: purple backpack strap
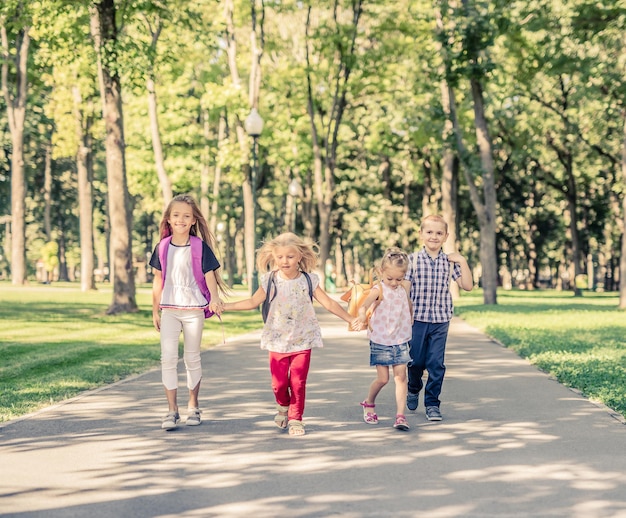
163	257
196	266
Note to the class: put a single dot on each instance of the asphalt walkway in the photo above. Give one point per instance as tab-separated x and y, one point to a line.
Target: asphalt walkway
513	442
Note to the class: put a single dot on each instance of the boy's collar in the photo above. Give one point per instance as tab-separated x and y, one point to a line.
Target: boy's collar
439	252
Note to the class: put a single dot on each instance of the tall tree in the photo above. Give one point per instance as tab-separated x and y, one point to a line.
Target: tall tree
14	64
104	32
475	36
326	120
84	166
254	80
154	25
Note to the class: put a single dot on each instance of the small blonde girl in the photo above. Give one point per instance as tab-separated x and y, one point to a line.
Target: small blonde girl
186	289
389	333
291	329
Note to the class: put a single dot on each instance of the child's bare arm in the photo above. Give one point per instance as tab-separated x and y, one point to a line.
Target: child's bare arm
216	304
241	305
334	307
369	300
465	280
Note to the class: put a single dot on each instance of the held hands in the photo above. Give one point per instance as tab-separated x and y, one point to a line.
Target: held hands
357	324
217	306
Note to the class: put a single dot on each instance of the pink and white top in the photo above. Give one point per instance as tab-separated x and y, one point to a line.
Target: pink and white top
392	321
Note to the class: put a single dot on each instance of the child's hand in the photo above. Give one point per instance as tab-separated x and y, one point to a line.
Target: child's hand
217	306
156	320
455	257
357	324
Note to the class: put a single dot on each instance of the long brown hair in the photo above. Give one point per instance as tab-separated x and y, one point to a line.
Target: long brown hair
199	229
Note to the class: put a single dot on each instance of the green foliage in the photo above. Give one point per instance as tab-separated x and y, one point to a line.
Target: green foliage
580	341
50	255
553	75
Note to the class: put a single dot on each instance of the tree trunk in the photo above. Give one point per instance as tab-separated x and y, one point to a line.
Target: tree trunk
217	177
249	183
449	184
16	114
84	166
157	146
427	191
47	192
622	262
121	259
153	111
63	274
570	192
487	214
325	163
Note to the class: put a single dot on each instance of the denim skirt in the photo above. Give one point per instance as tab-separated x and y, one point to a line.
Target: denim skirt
389	354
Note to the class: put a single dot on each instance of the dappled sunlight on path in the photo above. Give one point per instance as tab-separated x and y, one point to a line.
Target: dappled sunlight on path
513	442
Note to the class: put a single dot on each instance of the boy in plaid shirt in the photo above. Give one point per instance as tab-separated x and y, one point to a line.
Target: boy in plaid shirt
430	271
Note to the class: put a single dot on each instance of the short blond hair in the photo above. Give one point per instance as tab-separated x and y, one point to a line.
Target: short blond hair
265	256
434	217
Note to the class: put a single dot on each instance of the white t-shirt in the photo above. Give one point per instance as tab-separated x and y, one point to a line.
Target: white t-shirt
291	324
181	291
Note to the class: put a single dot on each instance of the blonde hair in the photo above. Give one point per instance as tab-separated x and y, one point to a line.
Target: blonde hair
394	257
199	229
434	217
265	255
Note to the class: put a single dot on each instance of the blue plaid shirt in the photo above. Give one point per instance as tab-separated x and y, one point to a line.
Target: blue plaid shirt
430	286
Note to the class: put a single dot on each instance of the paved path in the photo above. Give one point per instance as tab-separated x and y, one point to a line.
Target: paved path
513	442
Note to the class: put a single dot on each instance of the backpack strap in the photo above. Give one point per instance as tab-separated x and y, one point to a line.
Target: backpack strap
308	281
265	308
163	244
269	297
198	274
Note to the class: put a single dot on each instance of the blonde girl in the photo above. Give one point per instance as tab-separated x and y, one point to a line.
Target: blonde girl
389	333
291	329
185	290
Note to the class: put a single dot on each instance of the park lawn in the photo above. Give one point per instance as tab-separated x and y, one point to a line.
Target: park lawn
56	342
581	341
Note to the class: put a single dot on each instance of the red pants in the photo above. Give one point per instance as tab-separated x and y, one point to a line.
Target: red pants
289	372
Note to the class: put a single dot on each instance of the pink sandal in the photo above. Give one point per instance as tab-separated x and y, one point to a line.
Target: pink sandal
401	423
369	417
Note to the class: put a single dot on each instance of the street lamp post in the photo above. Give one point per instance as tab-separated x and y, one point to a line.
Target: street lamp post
254	127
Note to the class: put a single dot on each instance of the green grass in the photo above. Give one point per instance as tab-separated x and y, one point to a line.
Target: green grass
56	342
581	341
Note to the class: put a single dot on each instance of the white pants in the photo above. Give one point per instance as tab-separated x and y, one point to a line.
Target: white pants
191	323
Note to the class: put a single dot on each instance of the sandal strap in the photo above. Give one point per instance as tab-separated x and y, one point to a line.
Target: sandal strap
365	404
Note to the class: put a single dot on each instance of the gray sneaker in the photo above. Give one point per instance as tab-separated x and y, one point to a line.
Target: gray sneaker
433	413
412	400
170	421
193	417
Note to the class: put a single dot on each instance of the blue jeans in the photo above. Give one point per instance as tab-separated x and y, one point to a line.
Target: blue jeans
427	349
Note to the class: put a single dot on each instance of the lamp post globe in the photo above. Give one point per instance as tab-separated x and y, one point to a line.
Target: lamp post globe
254	123
254	126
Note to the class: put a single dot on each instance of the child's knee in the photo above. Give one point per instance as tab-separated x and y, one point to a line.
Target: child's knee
382	380
400	379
